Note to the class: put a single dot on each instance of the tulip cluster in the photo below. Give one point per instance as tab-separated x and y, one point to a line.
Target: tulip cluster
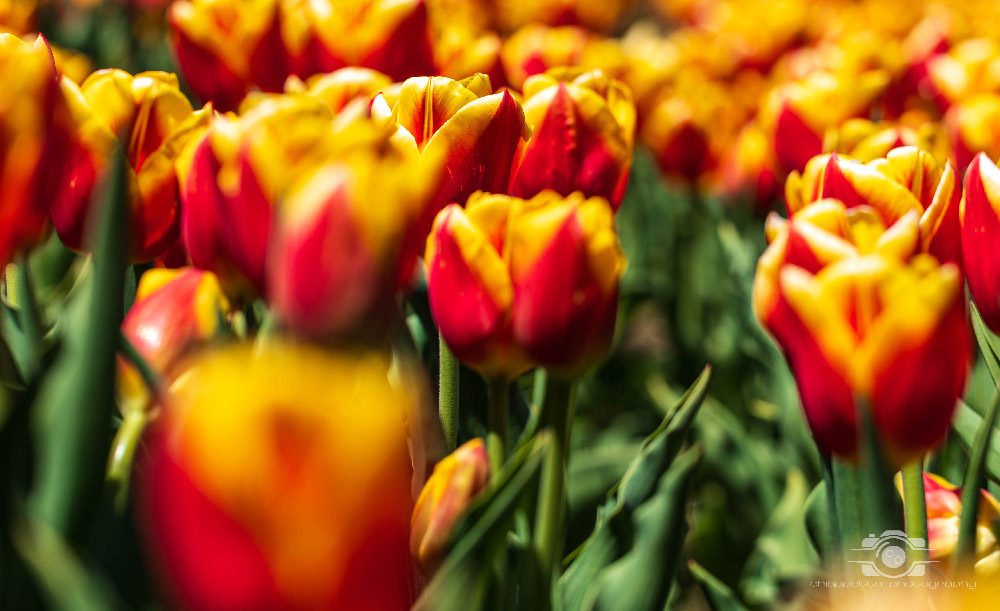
862	288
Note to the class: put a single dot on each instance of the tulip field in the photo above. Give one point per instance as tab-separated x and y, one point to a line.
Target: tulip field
460	305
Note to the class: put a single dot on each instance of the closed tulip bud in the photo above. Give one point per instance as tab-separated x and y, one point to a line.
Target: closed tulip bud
391	36
460	52
944	509
450	491
535	49
907	179
583	126
973	126
224	48
969	68
37	146
467	137
870	327
151	119
514	283
344	243
980	223
799	113
230	179
279	478
175	310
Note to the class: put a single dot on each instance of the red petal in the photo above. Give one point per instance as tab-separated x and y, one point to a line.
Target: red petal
980	226
795	143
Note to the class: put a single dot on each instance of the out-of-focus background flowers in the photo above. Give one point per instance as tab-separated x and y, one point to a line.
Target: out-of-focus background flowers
372	304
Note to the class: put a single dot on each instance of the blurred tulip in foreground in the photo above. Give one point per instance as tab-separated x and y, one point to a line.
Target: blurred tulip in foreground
514	283
980	220
149	116
279	479
944	509
38	144
175	310
869	327
583	125
456	482
344	242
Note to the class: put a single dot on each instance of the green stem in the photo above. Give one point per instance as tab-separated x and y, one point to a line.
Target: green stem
122	455
496	438
915	505
448	394
964	559
557	414
845	491
833	542
27	313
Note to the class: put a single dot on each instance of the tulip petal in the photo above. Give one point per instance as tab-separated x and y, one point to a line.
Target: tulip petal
980	220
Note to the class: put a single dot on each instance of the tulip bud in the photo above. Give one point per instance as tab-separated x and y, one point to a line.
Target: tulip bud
944	509
450	491
749	169
514	282
38	145
341	87
339	253
174	311
467	138
231	177
980	222
969	68
582	140
155	121
870	327
278	478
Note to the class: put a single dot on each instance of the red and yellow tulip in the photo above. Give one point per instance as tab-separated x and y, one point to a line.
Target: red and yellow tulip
453	486
324	433
151	119
514	283
980	222
466	137
346	240
37	128
867	328
535	49
973	126
597	16
231	177
907	179
175	310
583	125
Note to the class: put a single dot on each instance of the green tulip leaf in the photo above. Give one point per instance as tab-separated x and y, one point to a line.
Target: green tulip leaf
720	597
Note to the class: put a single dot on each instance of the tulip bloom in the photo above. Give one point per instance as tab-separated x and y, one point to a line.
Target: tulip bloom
598	16
341	87
749	169
38	144
944	510
450	491
231	178
391	36
582	140
279	478
907	179
869	327
465	136
514	283
798	114
174	311
155	121
344	243
980	223
226	47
